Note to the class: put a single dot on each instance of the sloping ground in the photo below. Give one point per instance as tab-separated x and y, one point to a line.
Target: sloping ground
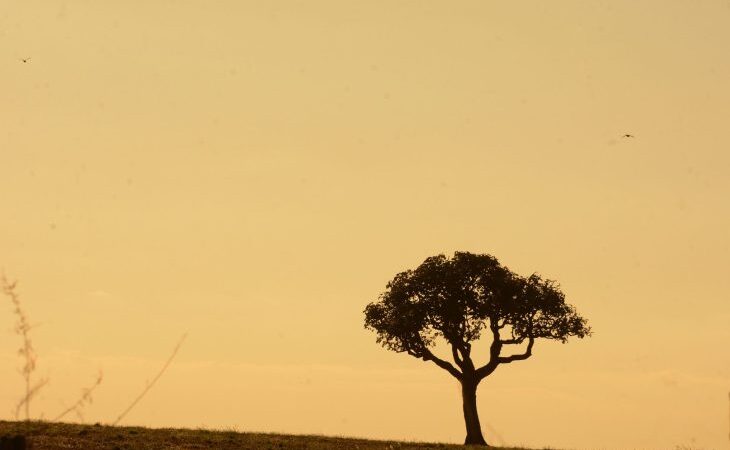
57	436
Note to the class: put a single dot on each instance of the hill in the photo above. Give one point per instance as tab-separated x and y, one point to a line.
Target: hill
57	436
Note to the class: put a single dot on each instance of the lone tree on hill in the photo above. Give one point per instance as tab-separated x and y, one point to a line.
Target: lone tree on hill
458	299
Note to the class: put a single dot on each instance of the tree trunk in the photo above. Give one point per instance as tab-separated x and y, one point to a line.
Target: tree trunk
471	417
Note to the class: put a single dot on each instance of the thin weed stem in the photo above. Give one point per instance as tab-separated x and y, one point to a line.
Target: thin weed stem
85	399
154	380
22	328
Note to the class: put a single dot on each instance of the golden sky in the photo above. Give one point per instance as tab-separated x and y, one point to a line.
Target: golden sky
255	172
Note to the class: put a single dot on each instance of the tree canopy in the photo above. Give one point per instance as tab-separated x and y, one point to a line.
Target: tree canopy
463	297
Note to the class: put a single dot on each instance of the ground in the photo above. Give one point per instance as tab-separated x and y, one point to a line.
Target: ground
57	436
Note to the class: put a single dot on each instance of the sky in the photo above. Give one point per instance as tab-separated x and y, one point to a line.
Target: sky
254	173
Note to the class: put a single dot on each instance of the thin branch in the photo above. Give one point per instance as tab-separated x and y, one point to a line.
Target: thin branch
154	380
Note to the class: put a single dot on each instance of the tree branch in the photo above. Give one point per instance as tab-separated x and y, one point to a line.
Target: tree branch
428	356
494	351
496	346
520	357
455	354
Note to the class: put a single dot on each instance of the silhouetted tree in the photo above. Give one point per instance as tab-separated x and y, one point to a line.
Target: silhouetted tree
459	298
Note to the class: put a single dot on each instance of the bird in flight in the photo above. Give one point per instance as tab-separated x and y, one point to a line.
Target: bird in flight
25	60
628	135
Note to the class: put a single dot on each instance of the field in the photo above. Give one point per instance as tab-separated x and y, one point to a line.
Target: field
57	436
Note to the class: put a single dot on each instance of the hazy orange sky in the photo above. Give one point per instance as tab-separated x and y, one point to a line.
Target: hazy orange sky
255	172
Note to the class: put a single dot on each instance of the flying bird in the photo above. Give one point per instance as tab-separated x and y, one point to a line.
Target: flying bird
25	60
628	135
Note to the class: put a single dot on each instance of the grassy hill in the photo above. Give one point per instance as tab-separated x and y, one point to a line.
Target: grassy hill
57	436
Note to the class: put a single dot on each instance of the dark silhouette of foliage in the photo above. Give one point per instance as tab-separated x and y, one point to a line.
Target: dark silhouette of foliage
458	300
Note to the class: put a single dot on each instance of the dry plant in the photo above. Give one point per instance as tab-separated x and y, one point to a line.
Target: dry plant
154	380
22	328
84	400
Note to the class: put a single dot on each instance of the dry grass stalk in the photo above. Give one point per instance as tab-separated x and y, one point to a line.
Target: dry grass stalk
86	399
29	394
154	380
22	328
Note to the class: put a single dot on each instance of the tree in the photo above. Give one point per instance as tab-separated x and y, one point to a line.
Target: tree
457	300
